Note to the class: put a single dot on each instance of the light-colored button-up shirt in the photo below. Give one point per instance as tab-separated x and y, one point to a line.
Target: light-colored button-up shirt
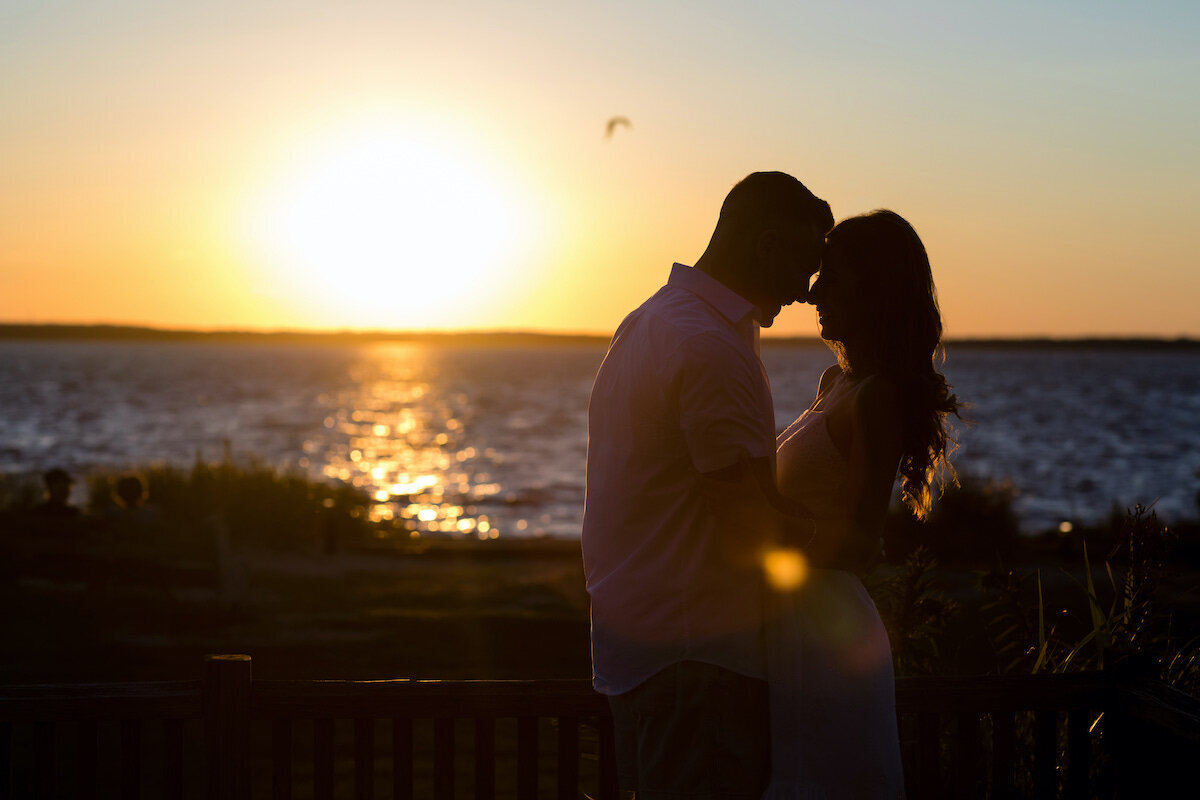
681	392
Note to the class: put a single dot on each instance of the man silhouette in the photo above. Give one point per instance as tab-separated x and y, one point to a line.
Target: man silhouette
680	492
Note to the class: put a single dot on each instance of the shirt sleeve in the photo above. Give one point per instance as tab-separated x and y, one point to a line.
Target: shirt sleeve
724	403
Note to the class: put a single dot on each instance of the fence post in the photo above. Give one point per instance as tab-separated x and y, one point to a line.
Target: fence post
227	726
1128	740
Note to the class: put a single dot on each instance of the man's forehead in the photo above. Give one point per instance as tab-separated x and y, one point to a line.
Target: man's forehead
801	227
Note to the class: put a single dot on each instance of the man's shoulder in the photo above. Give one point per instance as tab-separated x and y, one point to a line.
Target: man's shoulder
675	315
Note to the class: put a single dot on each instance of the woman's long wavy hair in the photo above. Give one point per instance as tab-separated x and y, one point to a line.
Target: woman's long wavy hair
898	335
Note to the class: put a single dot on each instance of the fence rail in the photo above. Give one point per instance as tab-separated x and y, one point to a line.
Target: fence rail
231	737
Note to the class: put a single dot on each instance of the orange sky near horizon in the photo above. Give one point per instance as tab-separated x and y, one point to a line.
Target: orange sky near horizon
394	166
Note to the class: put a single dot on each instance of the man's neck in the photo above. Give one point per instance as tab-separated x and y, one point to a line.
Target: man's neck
726	273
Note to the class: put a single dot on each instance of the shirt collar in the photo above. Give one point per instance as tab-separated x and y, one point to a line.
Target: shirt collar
726	301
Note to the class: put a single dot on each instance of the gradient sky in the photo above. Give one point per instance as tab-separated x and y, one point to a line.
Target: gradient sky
293	165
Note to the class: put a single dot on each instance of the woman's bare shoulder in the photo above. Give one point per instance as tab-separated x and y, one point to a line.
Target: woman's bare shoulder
831	374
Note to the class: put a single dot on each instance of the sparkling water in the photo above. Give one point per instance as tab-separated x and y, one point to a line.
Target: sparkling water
488	441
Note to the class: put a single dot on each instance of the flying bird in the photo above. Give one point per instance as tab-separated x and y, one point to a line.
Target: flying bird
613	123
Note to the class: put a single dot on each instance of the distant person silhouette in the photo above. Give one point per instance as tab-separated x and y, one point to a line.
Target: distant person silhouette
55	518
129	492
132	516
57	503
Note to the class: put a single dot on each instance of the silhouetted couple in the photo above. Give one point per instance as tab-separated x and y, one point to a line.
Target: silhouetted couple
741	655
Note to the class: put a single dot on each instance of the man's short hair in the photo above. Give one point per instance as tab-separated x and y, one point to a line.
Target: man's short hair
762	199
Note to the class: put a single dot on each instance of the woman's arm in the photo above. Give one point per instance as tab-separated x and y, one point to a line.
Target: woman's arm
876	443
747	493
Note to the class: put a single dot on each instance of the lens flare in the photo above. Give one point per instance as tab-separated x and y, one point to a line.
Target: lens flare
786	569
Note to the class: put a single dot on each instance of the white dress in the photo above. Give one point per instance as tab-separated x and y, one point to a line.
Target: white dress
829	665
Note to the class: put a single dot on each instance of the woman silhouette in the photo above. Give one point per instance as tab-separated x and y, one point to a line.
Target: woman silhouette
881	409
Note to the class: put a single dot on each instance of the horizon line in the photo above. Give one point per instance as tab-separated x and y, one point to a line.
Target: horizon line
125	332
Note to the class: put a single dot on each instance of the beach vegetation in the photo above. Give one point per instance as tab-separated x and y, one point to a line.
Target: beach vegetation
252	503
973	520
1117	617
915	611
1103	614
19	493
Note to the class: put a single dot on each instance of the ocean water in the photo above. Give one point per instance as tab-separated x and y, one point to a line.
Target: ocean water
487	441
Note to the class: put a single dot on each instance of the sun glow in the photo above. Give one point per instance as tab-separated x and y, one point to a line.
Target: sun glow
392	228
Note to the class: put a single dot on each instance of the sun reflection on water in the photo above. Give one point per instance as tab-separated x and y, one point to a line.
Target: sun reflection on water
403	444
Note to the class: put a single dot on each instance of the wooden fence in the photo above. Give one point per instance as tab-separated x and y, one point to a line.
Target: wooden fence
228	736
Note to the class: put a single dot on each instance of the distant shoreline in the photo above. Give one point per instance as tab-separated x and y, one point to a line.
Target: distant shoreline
133	333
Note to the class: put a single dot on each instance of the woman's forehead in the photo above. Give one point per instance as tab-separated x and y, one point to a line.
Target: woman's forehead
832	253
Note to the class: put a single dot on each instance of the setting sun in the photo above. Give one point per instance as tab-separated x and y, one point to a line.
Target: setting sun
388	227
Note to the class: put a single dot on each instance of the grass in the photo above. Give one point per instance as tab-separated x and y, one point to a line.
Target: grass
320	592
316	593
962	593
